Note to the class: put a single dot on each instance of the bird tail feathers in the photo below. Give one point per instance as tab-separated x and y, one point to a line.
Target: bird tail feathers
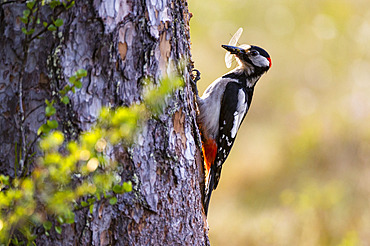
210	182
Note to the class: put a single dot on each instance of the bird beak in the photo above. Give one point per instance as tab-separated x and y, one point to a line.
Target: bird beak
233	49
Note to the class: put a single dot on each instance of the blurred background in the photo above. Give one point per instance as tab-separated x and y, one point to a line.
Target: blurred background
299	171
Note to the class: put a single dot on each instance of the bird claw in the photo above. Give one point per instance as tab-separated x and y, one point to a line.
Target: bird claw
194	79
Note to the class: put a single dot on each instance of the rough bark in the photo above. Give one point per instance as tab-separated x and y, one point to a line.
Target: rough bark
119	42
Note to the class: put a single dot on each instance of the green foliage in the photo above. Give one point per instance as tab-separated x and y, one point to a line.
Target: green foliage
155	97
51	28
113	200
58	22
50	110
120	189
51	184
31	19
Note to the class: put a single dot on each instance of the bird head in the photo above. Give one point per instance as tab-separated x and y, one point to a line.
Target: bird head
252	58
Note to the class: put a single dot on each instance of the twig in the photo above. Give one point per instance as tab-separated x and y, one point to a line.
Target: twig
24	171
33	110
12	1
26	46
46	27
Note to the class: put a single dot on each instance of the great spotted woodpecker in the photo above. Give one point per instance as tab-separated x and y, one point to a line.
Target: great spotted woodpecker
223	106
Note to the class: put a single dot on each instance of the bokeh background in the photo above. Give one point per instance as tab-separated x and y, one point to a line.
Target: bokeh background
299	171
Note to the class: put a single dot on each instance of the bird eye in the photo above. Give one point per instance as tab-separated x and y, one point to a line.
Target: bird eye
254	52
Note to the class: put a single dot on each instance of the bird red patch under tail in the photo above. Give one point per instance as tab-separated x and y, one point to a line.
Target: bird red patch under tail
209	149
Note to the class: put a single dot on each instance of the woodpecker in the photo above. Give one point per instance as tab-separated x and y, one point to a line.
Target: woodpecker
222	109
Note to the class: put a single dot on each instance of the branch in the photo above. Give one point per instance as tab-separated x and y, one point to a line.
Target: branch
12	1
46	27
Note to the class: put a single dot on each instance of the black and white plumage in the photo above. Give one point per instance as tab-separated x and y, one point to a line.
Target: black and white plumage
223	106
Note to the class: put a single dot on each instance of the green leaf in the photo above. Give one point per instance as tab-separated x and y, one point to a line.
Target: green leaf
31	31
26	13
127	186
91	200
54	4
50	110
15	241
47	225
60	219
81	73
4	179
30	4
58	229
62	92
72	79
24	20
78	84
24	30
31	238
71	5
118	189
45	24
91	208
53	124
65	100
70	218
52	28
84	204
113	200
44	128
65	90
58	22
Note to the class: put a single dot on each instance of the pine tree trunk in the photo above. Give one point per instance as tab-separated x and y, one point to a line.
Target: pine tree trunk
119	42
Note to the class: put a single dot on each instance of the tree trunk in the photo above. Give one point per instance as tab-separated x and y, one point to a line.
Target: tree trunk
118	42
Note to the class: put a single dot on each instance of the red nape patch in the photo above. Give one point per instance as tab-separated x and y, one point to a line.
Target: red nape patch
209	149
268	58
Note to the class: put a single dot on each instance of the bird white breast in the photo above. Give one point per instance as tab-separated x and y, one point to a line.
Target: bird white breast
209	107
